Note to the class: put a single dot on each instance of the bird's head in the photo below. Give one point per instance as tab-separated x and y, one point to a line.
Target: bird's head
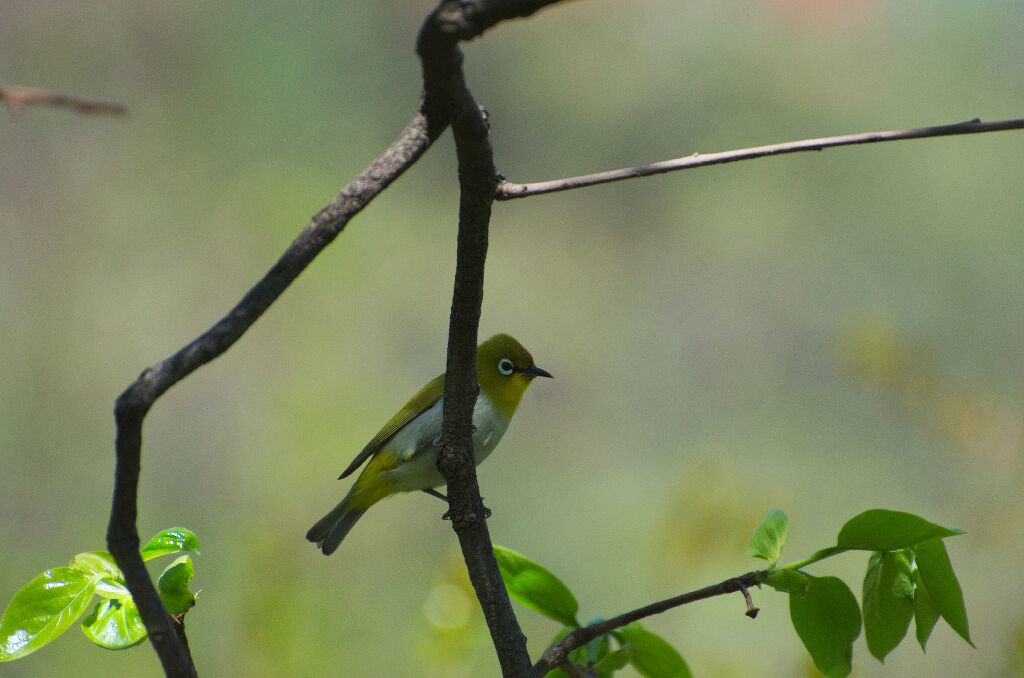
505	369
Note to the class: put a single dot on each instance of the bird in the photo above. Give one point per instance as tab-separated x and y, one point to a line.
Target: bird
403	455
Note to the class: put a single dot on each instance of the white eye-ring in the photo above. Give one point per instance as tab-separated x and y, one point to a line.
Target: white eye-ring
506	367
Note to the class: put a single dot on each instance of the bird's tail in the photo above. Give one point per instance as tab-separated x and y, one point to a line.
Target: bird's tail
371	487
332	528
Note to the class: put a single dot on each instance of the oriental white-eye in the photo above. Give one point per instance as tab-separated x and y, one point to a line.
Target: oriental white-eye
403	454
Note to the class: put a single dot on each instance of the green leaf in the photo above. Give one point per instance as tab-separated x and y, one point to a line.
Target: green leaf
925	614
769	536
888	601
652	656
170	541
614	661
827	619
884	530
942	584
112	588
173	586
43	609
788	581
536	588
101	565
115	624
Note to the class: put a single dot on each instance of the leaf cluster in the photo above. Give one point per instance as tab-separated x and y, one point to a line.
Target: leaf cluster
909	576
50	603
541	591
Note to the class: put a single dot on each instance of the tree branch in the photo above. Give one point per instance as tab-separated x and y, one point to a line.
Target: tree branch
463	20
510	191
18	98
557	653
446	98
134	403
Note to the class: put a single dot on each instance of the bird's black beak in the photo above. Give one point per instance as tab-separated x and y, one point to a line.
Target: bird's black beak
535	371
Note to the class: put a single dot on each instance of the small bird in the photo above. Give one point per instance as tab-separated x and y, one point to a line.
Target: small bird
403	454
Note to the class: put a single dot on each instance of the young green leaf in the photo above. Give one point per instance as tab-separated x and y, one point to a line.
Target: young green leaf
942	584
769	536
614	661
101	565
114	624
98	563
888	601
925	614
884	530
173	586
652	656
43	609
536	588
788	581
112	588
170	541
827	619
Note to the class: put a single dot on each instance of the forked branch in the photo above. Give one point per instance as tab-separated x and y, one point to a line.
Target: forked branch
446	102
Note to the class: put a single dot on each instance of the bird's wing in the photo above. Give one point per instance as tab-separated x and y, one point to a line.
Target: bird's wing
417	405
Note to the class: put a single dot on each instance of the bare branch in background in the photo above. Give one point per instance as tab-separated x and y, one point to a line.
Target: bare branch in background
510	191
19	98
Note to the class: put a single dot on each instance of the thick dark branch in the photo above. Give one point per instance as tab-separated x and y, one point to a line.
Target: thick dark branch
19	98
134	403
557	653
462	20
510	191
446	98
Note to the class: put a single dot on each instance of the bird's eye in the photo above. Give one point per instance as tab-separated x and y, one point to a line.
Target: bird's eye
506	367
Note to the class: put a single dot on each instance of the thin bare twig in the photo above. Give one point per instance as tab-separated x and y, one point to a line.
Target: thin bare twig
510	191
18	98
752	609
557	653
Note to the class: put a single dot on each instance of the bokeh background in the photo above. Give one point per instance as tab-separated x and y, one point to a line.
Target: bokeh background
824	333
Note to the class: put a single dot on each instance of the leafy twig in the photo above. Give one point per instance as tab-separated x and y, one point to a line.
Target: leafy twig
556	654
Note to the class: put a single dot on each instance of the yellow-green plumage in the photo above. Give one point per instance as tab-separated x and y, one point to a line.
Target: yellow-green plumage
403	454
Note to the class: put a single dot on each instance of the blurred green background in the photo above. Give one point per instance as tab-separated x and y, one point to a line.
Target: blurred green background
824	333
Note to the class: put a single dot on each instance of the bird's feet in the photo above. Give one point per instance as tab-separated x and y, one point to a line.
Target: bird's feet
448	514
